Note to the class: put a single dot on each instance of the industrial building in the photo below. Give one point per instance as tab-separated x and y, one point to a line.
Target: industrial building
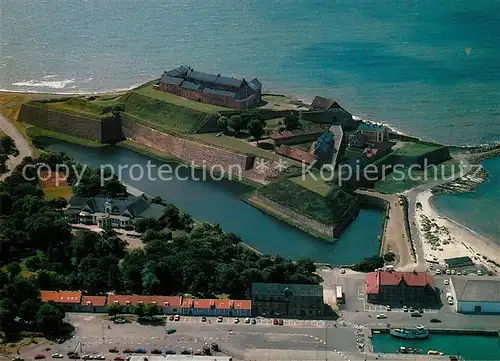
475	294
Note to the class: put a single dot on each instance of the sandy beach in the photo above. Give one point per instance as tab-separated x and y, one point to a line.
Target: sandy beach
444	238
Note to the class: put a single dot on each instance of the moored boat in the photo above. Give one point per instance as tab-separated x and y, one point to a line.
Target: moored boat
410	333
434	352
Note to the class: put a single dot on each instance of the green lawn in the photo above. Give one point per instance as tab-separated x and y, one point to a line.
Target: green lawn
35	132
415	149
57	192
313	182
148	91
399	182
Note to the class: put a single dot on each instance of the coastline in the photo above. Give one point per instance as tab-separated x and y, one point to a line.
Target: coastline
453	239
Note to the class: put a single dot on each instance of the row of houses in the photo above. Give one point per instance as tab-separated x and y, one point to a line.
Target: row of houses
268	299
76	301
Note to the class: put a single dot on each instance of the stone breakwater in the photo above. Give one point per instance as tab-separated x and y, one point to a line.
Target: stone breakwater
198	154
468	183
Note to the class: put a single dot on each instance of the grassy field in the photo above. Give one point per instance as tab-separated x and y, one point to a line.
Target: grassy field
162	115
57	192
148	91
10	103
415	149
397	182
307	202
317	185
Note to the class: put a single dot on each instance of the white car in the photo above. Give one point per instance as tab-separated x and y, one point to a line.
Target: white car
57	355
388	307
87	357
342	270
438	271
459	273
450	301
247	320
236	320
448	272
453	272
177	318
479	272
446	282
99	357
381	316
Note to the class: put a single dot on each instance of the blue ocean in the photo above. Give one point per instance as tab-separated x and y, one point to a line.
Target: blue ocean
428	68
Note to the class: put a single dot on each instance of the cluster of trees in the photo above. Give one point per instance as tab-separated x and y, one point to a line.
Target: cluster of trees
369	264
253	123
7	147
38	250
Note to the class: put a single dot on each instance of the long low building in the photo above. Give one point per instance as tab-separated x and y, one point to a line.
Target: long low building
475	294
180	358
78	302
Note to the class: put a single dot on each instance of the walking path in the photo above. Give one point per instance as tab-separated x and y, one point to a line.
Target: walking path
21	144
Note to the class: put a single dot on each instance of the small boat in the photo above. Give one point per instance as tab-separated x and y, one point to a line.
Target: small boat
418	332
433	352
409	350
376	331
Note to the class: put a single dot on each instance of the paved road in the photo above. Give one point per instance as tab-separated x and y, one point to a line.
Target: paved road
396	238
21	144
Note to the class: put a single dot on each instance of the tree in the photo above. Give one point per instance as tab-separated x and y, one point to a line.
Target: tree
369	264
291	121
140	310
389	257
49	317
13	269
222	122
151	310
114	309
236	123
28	310
146	223
256	129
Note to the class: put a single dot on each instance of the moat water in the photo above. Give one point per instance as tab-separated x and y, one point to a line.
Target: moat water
470	347
220	202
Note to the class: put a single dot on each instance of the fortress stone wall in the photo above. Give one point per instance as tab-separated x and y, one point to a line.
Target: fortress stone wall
105	130
189	151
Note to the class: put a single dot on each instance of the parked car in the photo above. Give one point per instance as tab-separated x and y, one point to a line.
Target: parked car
185	352
253	321
203	319
438	271
453	272
206	350
87	357
171	318
99	357
197	353
113	350
450	301
156	351
177	318
479	272
448	272
39	356
275	321
128	350
236	320
18	358
214	346
435	320
459	272
140	350
388	308
342	270
170	352
219	319
280	322
416	314
74	356
411	309
171	331
446	282
405	308
247	320
119	358
381	316
120	320
57	355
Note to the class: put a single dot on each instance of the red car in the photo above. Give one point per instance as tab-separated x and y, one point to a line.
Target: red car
280	322
39	356
119	358
275	321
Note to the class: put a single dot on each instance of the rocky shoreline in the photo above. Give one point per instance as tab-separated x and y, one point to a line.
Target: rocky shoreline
465	184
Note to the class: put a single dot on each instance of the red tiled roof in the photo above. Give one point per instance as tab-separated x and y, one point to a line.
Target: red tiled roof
187	303
203	303
389	278
161	301
296	154
223	304
61	296
93	301
370	152
242	304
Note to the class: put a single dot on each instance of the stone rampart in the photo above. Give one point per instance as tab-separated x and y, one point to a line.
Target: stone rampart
189	151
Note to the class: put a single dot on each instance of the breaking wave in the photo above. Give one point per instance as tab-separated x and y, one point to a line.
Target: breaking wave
53	84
